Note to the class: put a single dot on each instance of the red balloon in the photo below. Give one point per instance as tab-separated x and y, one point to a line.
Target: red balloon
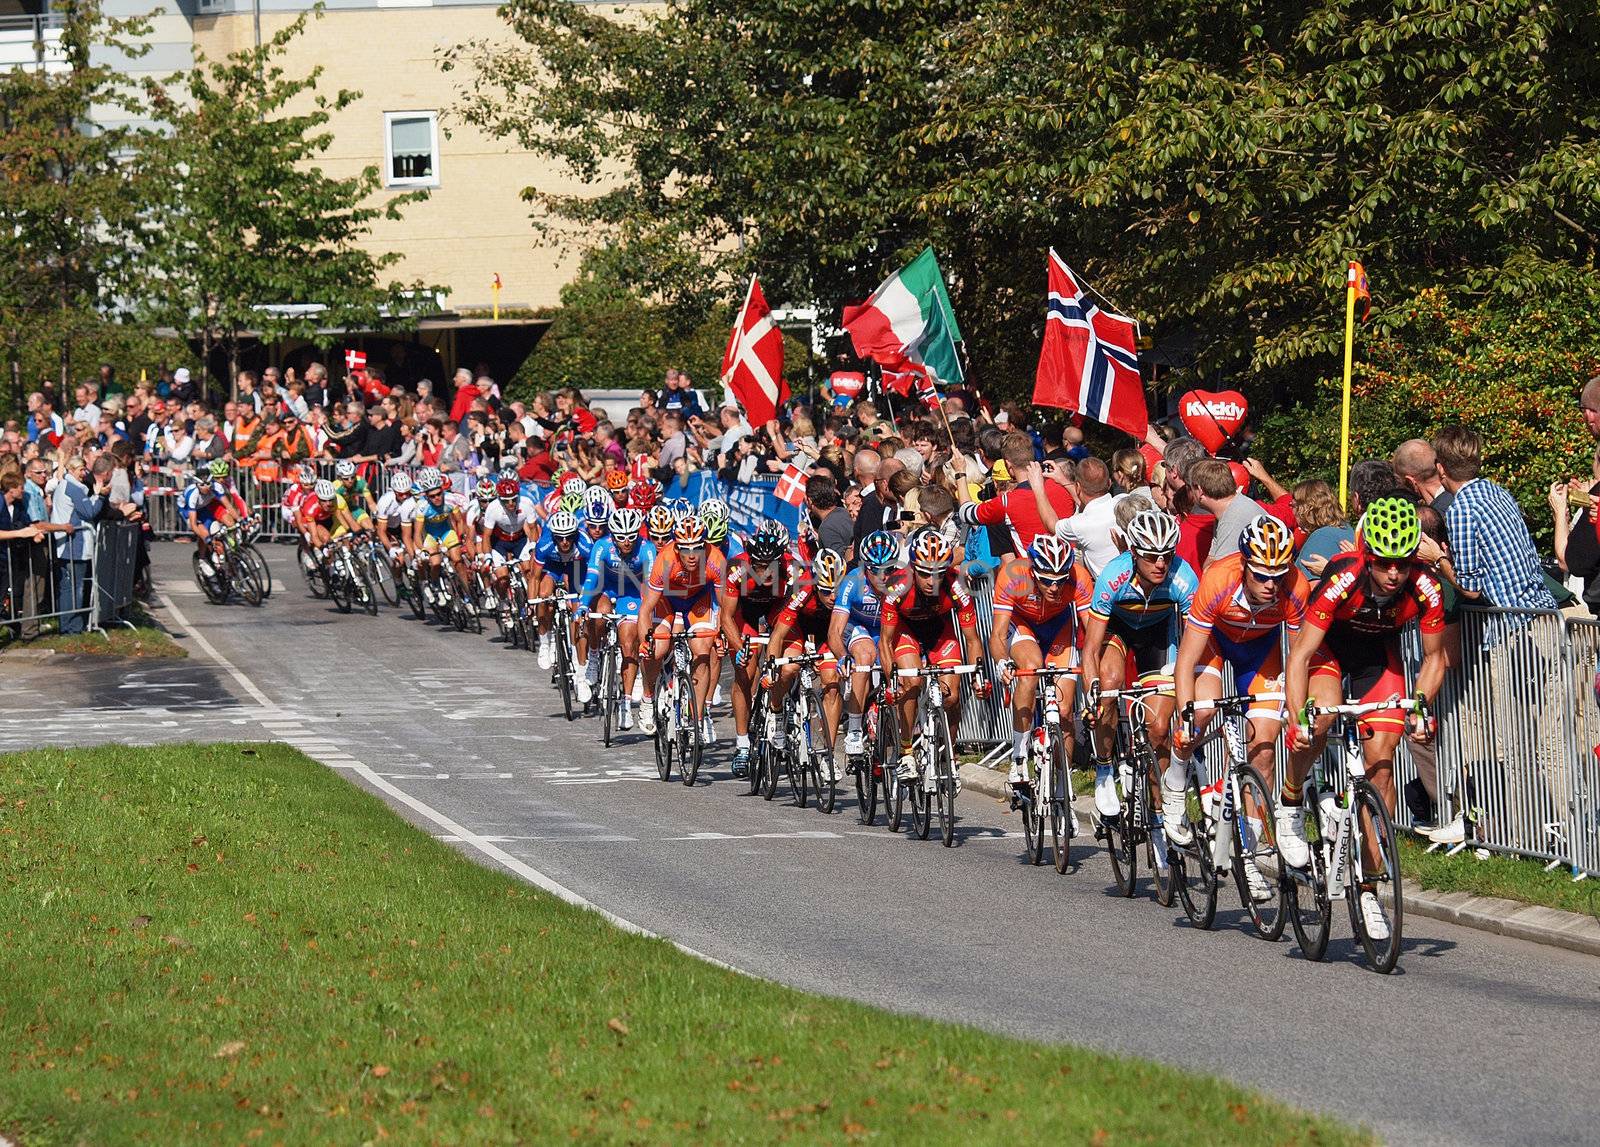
1211	417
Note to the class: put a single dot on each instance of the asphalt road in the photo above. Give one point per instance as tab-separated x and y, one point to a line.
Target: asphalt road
1476	1039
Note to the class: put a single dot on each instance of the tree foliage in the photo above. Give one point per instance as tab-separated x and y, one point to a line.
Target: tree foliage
246	218
1209	164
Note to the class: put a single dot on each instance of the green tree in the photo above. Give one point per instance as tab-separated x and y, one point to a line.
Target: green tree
251	234
69	200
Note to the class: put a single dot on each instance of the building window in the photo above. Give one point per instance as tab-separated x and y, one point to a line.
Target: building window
411	149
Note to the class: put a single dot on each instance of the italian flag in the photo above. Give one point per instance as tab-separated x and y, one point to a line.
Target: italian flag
908	320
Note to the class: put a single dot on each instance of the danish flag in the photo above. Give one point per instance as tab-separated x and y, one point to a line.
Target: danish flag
752	366
355	360
792	485
1089	361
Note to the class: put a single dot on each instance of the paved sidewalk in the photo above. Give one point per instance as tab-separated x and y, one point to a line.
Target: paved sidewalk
1572	930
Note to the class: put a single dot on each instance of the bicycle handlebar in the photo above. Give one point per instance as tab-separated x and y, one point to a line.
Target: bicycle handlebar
1135	692
1238	701
1045	671
799	659
936	672
1362	708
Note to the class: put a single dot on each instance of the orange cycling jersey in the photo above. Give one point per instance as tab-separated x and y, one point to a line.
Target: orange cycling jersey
1017	593
1220	604
679	583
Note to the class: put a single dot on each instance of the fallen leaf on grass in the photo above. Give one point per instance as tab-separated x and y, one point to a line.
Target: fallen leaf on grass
176	941
138	922
380	1070
228	1050
617	1026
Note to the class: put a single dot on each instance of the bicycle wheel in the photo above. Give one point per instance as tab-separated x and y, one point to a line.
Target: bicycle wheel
1060	800
610	696
258	562
248	583
1193	872
1033	808
564	681
214	584
1120	846
419	605
311	569
693	744
824	766
1306	891
761	750
1255	842
921	805
363	587
340	590
1375	827
665	705
381	574
866	790
949	785
800	769
886	762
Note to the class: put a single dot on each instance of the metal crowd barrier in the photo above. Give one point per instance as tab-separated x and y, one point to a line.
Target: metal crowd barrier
164	485
36	587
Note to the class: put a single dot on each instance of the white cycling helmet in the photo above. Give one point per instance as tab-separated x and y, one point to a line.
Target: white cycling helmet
626	522
325	491
344	469
1153	532
400	483
564	524
430	481
574	486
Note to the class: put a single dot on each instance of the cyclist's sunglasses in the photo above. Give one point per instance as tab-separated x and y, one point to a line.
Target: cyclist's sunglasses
1274	578
1053	582
1154	555
696	548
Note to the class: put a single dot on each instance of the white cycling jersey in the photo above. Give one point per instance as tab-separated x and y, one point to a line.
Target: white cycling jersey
396	512
508	524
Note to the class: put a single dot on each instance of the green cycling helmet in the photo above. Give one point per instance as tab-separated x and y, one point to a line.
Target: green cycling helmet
1389	529
218	468
572	503
716	529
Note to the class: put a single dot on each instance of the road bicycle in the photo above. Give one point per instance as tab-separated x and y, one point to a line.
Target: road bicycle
310	563
1238	835
936	785
414	577
1045	800
882	737
679	735
221	569
517	605
564	668
763	745
609	695
809	745
346	577
374	560
1344	817
1134	769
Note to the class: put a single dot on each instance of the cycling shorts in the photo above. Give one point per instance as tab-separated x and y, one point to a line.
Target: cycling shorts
1054	639
699	613
755	620
438	539
624	608
1257	668
505	553
934	639
1150	649
561	577
808	627
1371	664
854	633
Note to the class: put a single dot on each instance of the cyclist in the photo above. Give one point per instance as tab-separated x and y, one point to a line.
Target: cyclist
612	584
755	589
395	510
297	492
321	518
356	493
1131	635
1240	609
210	502
558	558
1037	600
436	531
616	484
680	594
508	534
1349	646
916	628
659	522
804	620
856	623
713	514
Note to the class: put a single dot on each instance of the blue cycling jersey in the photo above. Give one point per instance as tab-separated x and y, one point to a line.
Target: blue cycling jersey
616	576
859	602
567	565
1118	595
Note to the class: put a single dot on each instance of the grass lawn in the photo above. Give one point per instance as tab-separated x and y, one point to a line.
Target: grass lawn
144	641
230	943
1510	877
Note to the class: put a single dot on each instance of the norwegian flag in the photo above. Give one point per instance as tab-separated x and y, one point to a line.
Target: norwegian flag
1089	361
355	360
752	366
914	377
792	485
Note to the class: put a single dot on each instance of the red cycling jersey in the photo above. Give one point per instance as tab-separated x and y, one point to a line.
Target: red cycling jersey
903	605
1342	605
805	609
759	589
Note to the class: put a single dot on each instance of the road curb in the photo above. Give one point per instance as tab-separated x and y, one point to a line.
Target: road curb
1574	931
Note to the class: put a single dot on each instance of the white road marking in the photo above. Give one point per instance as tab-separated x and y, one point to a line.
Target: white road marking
462	834
804	834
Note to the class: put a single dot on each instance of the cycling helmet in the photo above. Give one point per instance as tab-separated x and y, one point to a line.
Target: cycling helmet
712	509
829	570
344	469
1153	532
484	489
644	494
563	524
682	507
550	503
508	472
1389	529
400	483
616	481
430	481
626	523
572	503
769	542
325	491
716	529
930	551
597	513
218	468
308	477
508	489
661	523
1052	557
597	496
689	534
1267	545
879	550
573	486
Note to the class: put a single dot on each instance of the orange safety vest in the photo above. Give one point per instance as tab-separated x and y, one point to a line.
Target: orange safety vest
242	432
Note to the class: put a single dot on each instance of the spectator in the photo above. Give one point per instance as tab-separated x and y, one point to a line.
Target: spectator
1217	493
454	450
1196	528
44	424
834	527
1327	530
382	441
1015	506
78	501
1417	467
1577	541
1590	402
183	388
1128	473
87	412
246	396
875	512
1089	530
18	534
209	444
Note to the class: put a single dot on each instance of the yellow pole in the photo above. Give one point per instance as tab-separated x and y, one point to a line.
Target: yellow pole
1344	414
497	297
